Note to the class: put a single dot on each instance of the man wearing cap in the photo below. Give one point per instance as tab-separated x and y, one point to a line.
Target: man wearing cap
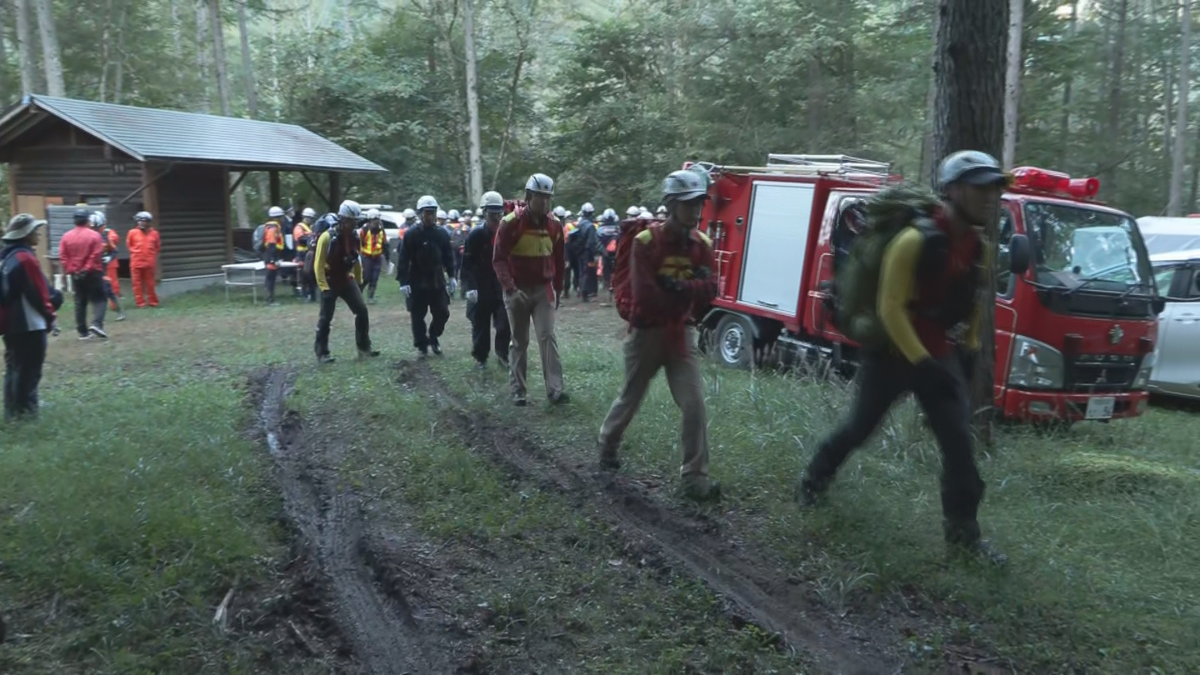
485	298
80	252
529	263
143	244
670	279
27	308
426	259
339	276
929	286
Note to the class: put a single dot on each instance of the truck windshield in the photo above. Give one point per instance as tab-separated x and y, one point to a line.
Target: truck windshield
1074	245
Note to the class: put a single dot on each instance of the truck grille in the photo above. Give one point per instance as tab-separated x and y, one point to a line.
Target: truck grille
1102	372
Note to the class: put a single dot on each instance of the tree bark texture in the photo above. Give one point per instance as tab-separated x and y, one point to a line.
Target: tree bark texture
51	55
971	46
928	158
475	157
251	87
1012	81
1179	148
1108	184
1064	124
218	47
202	55
30	82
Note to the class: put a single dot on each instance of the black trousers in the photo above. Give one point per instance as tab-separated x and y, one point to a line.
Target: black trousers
484	316
89	290
587	278
571	277
352	296
435	303
882	380
371	266
271	278
24	355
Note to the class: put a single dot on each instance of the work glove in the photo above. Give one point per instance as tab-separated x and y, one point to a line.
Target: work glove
935	379
391	269
406	290
472	296
453	286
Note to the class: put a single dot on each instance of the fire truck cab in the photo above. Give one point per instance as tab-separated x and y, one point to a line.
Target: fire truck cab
1076	303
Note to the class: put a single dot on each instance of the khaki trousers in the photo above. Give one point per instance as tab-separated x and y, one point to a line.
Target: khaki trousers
538	307
646	351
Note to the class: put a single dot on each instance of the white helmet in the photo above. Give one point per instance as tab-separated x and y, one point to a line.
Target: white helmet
569	214
350	209
587	209
609	214
632	211
662	209
426	202
645	215
98	219
453	215
560	212
467	213
143	216
409	214
540	183
972	166
642	209
308	213
372	214
441	215
491	199
274	212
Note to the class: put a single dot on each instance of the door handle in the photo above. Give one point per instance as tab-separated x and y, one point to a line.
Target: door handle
768	304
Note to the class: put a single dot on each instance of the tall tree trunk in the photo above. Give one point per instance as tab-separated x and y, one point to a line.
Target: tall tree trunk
970	116
1175	199
475	158
929	159
251	89
30	82
1064	123
119	66
202	55
105	52
51	55
1191	205
5	85
1012	81
816	99
218	47
1113	126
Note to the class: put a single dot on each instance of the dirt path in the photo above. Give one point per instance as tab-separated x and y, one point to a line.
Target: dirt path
358	565
754	594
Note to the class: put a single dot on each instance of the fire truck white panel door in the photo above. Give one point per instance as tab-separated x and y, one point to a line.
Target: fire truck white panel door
775	247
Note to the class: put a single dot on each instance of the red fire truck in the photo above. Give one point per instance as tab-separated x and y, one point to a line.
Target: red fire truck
1076	302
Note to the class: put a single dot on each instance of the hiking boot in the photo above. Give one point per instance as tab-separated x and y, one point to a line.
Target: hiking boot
503	361
85	336
609	460
963	541
481	365
368	353
370	301
811	491
423	351
98	332
437	349
120	316
325	358
559	398
701	489
519	400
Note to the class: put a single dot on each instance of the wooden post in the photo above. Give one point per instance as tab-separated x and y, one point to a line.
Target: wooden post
275	189
150	202
228	218
335	191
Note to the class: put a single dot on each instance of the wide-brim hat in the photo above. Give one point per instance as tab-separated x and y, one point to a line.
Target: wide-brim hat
22	225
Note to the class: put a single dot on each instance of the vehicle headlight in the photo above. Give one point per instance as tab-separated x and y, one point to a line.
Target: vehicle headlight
1142	379
1035	365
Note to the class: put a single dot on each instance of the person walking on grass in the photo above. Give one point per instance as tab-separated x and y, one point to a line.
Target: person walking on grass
426	260
670	277
529	263
485	298
112	240
144	244
375	251
27	307
338	271
81	252
273	250
929	281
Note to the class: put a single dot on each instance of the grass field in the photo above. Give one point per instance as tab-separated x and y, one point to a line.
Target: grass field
145	494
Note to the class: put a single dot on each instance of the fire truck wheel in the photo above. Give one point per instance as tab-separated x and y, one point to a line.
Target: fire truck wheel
734	342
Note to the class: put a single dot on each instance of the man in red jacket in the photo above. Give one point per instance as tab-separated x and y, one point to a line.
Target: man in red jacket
670	278
528	259
26	315
80	252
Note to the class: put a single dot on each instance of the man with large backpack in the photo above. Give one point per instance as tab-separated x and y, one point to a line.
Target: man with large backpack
338	270
528	259
375	251
589	249
426	259
272	250
485	298
908	288
663	276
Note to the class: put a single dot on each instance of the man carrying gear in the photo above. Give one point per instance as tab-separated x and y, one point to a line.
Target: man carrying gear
144	244
485	297
111	241
302	235
338	270
929	273
589	252
528	259
81	251
571	280
425	261
669	278
27	306
606	235
374	251
272	250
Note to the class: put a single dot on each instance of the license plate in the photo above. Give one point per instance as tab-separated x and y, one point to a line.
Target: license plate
1100	407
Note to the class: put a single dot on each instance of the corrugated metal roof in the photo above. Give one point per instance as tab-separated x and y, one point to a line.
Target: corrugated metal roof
152	134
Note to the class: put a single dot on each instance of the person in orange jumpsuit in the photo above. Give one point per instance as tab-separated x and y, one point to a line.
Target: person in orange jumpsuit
144	244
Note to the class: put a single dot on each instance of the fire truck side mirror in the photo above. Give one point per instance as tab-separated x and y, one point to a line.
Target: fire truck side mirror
1020	254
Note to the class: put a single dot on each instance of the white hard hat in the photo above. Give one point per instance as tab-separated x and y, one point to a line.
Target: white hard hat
426	202
491	199
143	216
661	209
632	211
645	215
350	209
274	212
453	215
308	213
609	214
467	213
409	213
971	166
441	214
372	214
587	208
98	219
540	183
560	212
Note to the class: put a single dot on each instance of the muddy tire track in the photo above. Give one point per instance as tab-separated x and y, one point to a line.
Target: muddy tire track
369	607
753	594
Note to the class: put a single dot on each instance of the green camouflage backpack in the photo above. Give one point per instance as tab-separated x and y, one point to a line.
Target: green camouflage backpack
856	281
